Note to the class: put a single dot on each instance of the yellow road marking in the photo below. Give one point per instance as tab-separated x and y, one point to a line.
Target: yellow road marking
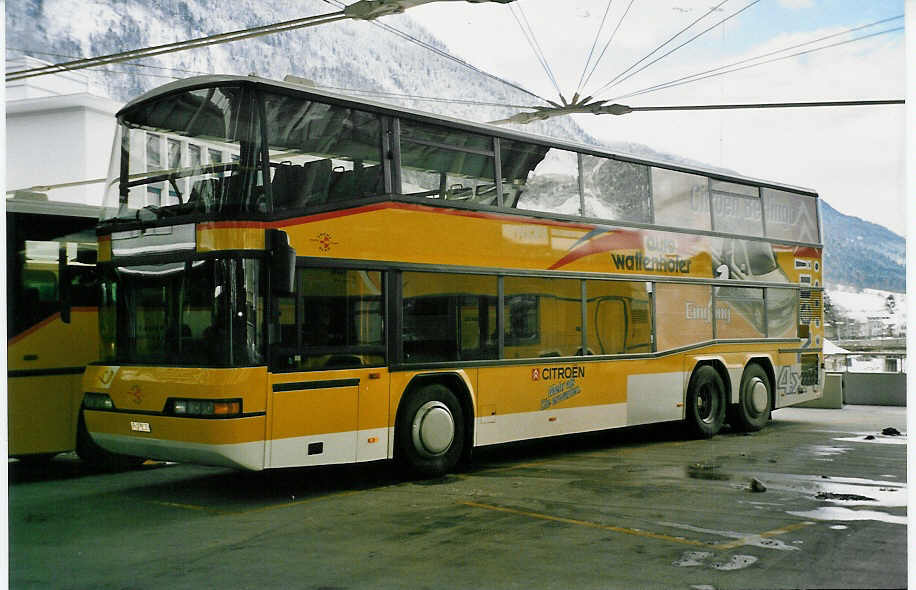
186	506
641	533
296	503
252	510
780	531
594	525
509	467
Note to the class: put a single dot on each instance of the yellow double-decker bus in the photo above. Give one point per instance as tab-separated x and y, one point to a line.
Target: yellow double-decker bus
308	279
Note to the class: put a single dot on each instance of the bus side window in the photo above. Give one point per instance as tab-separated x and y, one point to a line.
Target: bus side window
84	286
521	319
38	299
449	317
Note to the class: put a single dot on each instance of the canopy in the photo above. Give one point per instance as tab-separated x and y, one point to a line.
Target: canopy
831	348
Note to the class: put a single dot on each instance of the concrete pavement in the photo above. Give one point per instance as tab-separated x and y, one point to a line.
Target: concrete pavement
636	508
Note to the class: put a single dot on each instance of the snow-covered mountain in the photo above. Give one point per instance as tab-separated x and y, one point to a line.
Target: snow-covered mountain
351	55
859	254
345	55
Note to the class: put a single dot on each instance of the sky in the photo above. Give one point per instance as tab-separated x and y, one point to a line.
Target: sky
853	156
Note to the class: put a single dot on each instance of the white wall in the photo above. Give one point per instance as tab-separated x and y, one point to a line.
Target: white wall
39	86
57	133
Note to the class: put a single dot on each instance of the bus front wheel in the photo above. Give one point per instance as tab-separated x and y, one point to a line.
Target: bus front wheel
93	454
705	402
430	433
755	402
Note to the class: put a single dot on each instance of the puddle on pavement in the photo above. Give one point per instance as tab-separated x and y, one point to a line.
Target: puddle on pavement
849	514
846	491
843	497
750	539
693	558
701	558
828	451
875	438
737	562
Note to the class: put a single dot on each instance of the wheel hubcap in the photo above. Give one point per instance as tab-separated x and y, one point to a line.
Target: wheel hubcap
433	429
759	396
705	409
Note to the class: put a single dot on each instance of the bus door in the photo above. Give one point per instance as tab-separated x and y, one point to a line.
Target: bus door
329	418
314	421
329	399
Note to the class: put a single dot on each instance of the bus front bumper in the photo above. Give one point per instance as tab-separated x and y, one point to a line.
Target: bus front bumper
226	442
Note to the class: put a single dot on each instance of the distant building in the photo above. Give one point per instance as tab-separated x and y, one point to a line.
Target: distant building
57	132
877	326
60	133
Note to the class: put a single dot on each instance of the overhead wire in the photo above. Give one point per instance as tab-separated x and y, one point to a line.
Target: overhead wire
669	40
772	105
444	54
540	50
608	44
386	94
238	35
355	91
133	54
699	76
784	49
135	65
691	40
298	23
528	32
457	60
591	51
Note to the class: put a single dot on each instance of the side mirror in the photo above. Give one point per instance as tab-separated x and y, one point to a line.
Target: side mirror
282	262
87	256
63	284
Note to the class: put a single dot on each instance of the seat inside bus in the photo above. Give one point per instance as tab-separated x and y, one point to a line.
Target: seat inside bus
297	186
204	193
361	181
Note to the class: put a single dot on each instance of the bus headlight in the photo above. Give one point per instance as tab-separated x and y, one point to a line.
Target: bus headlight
204	407
97	401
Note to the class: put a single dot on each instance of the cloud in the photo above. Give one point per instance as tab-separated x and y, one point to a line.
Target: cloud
852	155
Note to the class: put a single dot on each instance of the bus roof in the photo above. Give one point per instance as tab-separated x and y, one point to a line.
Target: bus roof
45	207
206	81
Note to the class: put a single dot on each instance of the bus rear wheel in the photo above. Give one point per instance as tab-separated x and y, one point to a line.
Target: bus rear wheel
755	402
705	402
429	432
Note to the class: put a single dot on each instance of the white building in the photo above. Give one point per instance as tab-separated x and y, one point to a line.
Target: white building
57	132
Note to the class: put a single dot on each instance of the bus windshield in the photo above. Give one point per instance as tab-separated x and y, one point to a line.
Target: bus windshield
194	152
203	312
203	152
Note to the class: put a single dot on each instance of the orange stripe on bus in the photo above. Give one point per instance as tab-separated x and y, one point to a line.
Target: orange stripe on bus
45	322
378	207
33	329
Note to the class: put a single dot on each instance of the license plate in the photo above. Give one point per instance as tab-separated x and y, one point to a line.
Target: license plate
140	426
